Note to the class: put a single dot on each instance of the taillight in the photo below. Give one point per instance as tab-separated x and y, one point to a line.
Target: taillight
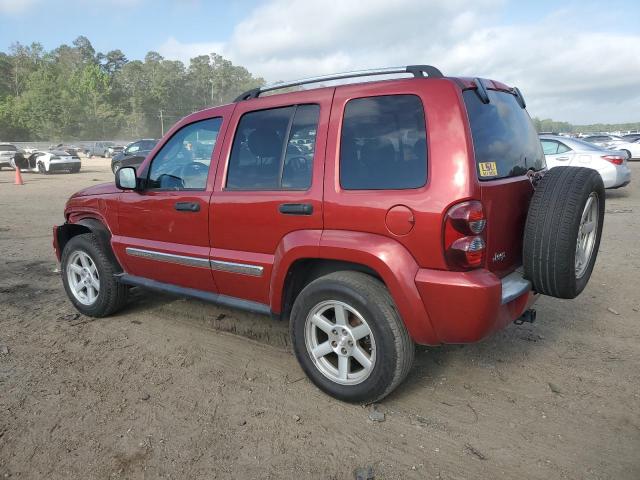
615	159
464	245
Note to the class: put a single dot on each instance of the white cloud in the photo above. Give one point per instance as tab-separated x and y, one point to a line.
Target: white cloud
13	7
566	71
173	49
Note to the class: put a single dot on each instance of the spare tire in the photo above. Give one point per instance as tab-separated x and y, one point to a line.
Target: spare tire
562	231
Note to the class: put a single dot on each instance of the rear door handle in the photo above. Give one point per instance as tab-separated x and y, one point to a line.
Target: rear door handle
296	208
187	206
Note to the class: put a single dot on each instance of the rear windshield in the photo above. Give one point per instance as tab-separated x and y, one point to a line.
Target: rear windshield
505	141
7	148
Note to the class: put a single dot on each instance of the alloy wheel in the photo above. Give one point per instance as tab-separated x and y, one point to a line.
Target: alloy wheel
83	278
587	233
340	342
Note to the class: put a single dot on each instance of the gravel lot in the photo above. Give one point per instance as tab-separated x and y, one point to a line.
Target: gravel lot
175	388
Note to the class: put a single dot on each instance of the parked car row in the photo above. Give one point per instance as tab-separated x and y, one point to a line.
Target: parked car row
630	143
59	158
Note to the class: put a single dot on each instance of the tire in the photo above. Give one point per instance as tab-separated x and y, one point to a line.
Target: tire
42	169
74	170
114	168
629	156
555	220
111	294
388	344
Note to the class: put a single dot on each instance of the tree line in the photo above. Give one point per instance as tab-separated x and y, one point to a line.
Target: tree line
73	92
548	125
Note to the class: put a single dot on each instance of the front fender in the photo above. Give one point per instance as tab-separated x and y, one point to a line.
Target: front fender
89	219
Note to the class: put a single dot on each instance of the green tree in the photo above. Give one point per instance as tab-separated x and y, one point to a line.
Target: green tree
73	92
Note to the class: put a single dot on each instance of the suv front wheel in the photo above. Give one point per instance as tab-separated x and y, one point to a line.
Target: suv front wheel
88	277
349	338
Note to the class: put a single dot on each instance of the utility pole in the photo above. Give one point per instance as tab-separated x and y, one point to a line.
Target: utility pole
161	123
211	82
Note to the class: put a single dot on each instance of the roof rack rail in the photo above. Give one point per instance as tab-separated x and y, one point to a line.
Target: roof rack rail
418	71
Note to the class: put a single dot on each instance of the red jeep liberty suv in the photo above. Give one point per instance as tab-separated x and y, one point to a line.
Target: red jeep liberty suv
372	215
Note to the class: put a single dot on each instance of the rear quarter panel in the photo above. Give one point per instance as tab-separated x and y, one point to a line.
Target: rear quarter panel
450	175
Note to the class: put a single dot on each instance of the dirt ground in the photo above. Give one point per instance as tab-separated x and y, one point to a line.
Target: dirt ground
176	388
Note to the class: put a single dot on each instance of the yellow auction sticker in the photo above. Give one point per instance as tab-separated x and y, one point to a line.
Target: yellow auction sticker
488	169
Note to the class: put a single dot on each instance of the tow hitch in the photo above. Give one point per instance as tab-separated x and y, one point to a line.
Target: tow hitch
529	316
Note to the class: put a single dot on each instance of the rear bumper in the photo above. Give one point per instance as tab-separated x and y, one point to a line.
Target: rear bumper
465	307
60	166
623	176
615	176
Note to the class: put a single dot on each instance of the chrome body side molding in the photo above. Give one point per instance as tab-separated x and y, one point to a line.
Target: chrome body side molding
243	268
220	265
168	257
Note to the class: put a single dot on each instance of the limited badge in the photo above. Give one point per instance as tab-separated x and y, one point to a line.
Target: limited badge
488	169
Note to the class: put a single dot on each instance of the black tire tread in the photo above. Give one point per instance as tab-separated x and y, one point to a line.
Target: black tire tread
374	291
551	229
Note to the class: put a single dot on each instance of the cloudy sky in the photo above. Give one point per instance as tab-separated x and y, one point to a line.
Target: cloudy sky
577	61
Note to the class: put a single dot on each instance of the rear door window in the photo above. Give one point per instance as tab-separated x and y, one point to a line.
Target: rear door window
383	144
505	141
273	149
549	147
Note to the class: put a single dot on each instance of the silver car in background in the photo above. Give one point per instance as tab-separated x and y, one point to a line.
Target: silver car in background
99	149
611	165
7	152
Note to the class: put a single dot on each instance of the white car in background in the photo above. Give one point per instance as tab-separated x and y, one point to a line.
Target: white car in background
606	141
610	164
632	149
49	162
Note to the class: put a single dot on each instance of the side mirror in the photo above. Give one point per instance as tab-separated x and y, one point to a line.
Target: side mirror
126	178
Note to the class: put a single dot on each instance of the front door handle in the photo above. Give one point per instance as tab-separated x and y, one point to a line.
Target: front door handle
562	158
296	208
187	206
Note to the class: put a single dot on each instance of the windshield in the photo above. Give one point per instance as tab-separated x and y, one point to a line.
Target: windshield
8	148
505	141
147	144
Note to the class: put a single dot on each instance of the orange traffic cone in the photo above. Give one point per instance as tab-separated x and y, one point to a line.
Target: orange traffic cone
18	180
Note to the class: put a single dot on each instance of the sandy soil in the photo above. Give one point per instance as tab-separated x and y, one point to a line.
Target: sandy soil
175	388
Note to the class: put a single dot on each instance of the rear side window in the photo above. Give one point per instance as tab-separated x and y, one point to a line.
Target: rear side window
505	141
273	149
383	144
551	147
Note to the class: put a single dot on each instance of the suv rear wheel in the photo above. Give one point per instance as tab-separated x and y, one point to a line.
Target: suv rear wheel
349	338
88	277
